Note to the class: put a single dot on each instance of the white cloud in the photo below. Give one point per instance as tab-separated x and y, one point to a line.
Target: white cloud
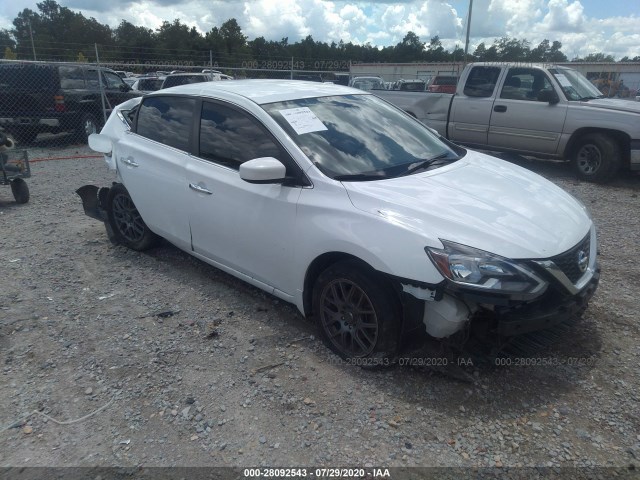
565	17
382	22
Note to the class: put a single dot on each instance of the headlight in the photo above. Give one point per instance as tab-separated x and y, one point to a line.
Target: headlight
475	268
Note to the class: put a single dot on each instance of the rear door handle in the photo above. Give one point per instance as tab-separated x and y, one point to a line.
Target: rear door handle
200	189
500	108
129	161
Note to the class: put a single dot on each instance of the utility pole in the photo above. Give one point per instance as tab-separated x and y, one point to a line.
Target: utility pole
466	43
33	47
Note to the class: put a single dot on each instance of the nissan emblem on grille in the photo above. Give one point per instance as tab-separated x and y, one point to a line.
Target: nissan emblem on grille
583	261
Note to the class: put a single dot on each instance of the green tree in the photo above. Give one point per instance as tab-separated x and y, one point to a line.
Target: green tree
480	52
411	49
596	57
435	51
512	49
6	39
9	54
133	43
234	40
57	32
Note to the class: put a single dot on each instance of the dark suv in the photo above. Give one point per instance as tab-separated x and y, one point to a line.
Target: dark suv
55	97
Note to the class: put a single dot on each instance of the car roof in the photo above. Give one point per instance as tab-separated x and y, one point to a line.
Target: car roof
263	91
187	74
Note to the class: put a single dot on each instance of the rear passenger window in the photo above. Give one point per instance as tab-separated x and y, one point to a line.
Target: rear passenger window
481	81
71	77
231	137
166	120
93	79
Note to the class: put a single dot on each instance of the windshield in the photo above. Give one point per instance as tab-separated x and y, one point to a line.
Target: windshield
574	85
360	137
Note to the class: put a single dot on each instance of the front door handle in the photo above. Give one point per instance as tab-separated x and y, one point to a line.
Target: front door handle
500	108
200	189
129	161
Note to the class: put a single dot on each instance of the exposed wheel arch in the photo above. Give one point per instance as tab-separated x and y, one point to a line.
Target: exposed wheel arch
357	313
320	264
124	223
623	140
597	157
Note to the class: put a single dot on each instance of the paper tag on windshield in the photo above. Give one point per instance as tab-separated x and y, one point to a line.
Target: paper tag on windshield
303	120
564	81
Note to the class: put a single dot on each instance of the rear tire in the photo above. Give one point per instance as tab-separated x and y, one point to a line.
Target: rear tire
597	157
357	314
125	221
20	190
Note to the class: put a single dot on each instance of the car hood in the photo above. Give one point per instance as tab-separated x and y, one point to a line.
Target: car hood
615	104
482	202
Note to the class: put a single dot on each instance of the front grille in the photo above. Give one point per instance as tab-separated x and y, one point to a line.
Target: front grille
568	261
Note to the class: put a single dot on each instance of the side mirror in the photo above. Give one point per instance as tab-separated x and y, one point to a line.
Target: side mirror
100	143
124	87
548	96
263	170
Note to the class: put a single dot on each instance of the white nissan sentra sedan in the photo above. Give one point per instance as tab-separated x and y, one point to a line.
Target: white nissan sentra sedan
338	202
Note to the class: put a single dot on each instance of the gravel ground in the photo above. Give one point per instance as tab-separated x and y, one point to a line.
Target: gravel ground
111	357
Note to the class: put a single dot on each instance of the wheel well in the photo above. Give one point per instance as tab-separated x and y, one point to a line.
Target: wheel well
319	265
621	138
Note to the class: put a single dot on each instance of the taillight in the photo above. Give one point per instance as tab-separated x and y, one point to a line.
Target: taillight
59	105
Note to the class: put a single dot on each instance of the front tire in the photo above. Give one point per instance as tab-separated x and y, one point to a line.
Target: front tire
20	190
596	158
126	222
357	314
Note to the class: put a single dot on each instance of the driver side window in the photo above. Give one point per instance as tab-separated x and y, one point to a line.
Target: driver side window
525	84
114	81
230	137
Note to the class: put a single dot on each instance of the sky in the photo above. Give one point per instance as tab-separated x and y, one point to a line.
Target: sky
583	26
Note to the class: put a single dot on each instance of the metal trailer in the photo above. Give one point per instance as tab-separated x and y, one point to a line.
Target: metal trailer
14	166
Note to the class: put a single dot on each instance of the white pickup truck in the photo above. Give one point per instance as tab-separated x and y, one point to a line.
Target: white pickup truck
536	110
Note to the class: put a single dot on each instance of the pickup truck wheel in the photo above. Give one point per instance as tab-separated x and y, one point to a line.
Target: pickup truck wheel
596	157
88	125
357	314
126	222
20	190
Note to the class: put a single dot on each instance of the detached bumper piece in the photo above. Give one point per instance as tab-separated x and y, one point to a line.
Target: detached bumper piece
94	201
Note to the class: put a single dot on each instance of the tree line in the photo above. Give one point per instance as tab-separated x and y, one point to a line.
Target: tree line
55	32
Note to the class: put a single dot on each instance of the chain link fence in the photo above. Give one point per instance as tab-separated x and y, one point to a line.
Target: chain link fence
58	104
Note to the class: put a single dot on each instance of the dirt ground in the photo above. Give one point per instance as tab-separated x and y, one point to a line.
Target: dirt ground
111	357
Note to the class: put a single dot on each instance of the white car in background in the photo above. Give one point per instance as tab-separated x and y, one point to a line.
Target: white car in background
334	200
367	83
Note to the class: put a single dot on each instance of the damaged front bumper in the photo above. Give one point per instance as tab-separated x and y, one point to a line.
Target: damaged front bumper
444	309
506	317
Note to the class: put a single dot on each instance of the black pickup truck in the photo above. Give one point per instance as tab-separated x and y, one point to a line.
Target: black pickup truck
40	97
